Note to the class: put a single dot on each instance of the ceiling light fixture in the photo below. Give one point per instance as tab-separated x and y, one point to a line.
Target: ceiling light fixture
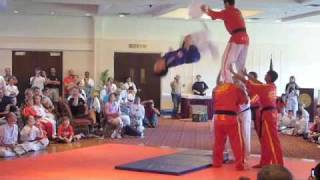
123	14
52	13
88	14
15	11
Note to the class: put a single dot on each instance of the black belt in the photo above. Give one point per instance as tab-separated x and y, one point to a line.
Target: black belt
230	113
247	109
238	30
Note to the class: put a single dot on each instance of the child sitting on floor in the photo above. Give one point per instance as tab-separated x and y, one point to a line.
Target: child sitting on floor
66	133
314	133
287	121
151	114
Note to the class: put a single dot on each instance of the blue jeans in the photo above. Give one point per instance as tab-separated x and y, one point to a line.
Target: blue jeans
153	121
176	99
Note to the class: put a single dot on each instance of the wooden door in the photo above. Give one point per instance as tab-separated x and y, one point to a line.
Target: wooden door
24	63
139	66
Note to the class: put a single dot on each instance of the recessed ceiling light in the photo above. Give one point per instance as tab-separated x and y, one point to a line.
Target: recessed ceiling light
15	11
52	13
88	14
124	14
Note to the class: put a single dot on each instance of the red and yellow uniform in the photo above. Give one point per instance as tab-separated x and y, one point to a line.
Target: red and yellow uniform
227	98
237	48
271	152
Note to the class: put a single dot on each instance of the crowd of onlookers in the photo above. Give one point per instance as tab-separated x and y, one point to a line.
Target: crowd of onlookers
294	118
44	114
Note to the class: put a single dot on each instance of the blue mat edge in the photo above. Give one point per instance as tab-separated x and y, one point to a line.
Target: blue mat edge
162	172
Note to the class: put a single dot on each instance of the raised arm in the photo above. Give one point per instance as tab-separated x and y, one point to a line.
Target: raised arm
213	14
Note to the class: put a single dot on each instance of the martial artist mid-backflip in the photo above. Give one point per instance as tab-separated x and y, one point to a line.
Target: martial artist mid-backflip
237	48
194	46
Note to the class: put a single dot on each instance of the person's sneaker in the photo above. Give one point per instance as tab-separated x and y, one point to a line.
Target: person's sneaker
119	136
114	134
142	135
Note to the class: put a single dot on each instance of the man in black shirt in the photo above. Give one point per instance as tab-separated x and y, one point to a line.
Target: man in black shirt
53	83
199	87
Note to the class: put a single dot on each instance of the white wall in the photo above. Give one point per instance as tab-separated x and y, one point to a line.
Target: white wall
72	35
89	44
293	46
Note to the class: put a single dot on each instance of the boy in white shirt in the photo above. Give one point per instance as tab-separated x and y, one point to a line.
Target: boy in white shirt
9	138
301	127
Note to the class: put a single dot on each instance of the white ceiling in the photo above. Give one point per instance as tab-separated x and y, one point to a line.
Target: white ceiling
269	10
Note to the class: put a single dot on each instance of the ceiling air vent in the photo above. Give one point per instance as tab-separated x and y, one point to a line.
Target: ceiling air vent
255	18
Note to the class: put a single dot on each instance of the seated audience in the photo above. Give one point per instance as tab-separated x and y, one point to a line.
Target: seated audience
11	89
66	133
9	138
288	121
78	105
151	115
274	172
305	113
33	136
43	113
28	94
199	87
112	113
36	91
28	110
131	95
123	94
5	102
300	126
137	113
314	131
95	109
46	101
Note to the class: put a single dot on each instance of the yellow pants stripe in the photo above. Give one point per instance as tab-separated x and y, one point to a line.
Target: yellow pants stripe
270	140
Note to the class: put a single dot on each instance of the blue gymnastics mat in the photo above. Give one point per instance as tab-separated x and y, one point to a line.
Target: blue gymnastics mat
173	164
